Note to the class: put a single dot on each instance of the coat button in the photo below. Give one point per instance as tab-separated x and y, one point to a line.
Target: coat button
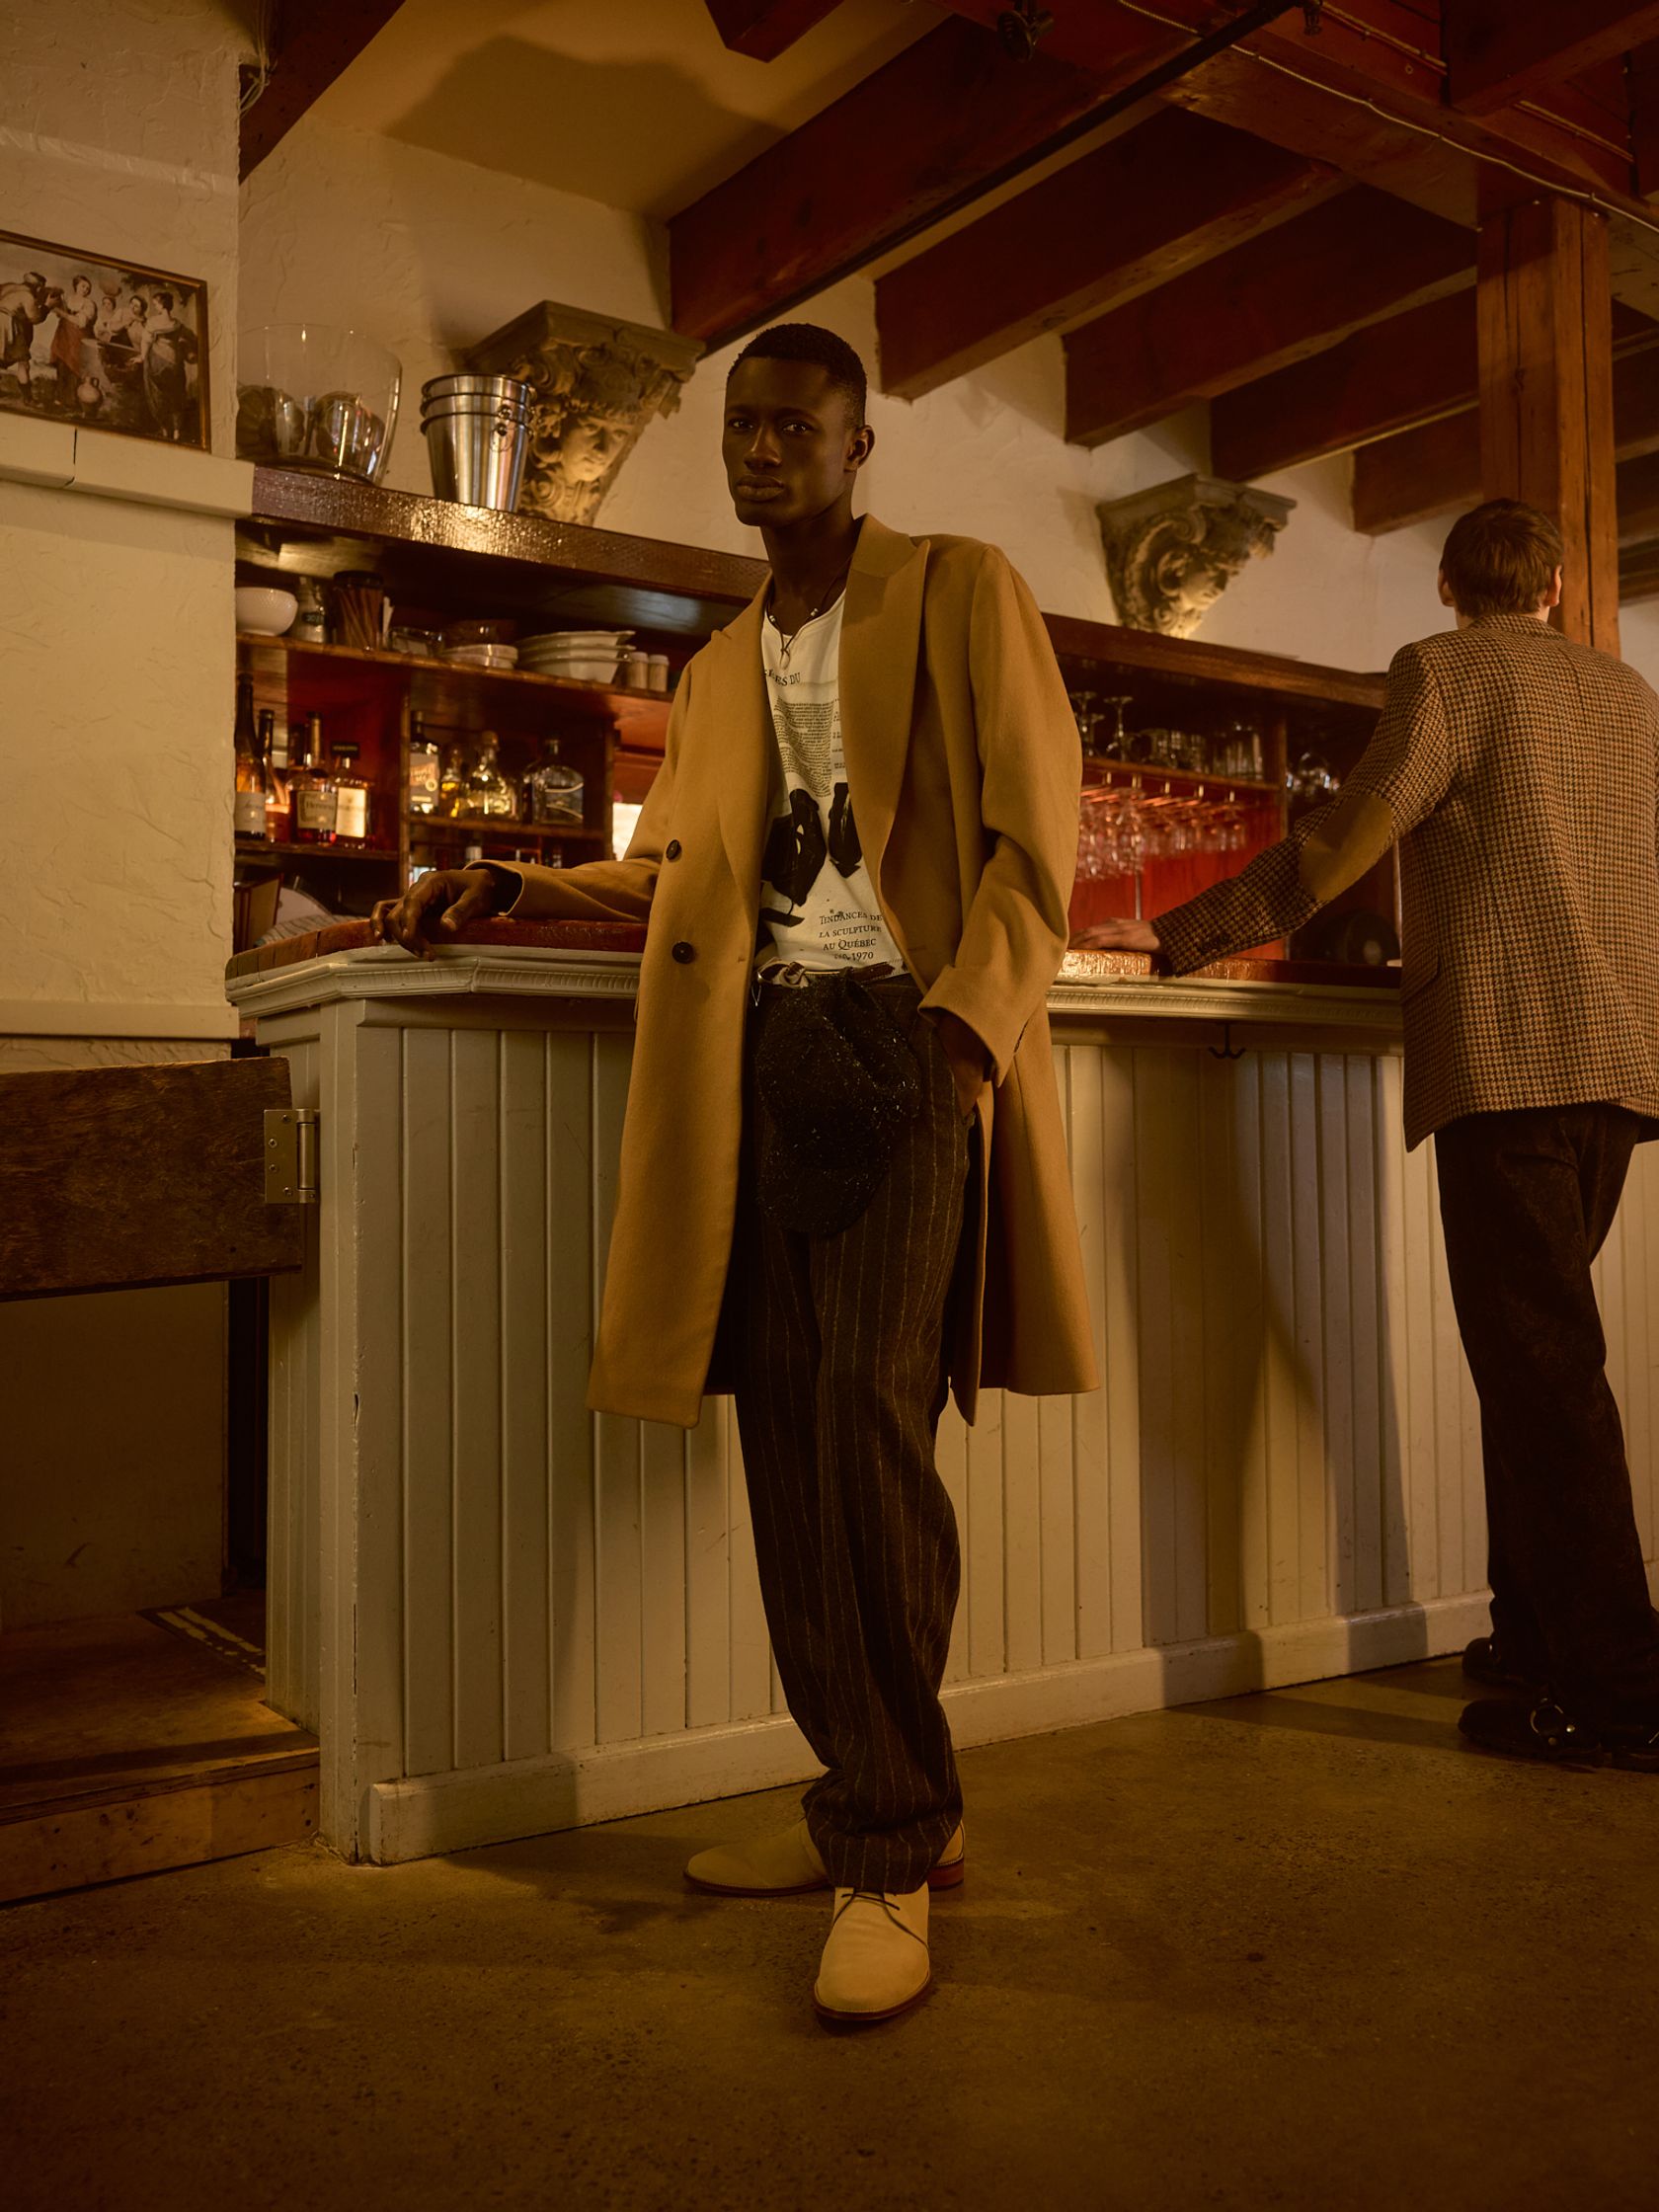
682	952
672	853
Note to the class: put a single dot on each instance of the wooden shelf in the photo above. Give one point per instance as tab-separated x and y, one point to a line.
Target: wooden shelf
432	548
1190	661
1098	772
497	825
564	570
641	717
260	848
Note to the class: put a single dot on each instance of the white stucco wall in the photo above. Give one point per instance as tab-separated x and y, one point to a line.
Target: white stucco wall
118	136
430	254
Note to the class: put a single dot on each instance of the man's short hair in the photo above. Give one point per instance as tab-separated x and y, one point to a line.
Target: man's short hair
1501	557
810	342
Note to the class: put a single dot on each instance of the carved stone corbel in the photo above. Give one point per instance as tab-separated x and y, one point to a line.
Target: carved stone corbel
1171	552
597	383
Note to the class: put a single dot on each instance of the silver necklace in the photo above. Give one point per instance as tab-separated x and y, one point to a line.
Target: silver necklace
786	643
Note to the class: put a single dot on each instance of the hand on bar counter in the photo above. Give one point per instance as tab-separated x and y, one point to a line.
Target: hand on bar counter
440	901
1119	935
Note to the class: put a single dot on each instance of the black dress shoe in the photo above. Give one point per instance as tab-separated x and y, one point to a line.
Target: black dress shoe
1546	1731
1485	1660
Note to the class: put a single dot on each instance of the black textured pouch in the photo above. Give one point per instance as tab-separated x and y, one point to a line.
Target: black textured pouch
837	1078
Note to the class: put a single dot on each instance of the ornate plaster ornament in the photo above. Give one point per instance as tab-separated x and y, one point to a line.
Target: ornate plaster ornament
597	384
1171	552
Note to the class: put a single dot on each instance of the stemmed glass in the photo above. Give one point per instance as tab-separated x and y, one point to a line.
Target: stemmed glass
1115	747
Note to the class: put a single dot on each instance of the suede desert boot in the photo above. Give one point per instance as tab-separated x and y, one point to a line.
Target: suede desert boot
875	1964
784	1865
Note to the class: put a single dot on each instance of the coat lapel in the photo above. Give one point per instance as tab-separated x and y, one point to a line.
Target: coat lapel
881	631
735	711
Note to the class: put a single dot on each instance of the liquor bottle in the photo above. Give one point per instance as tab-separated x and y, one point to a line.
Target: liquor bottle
351	796
555	792
313	792
273	758
488	791
425	770
249	781
452	788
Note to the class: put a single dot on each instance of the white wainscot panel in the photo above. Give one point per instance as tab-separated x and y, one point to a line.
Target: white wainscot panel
505	1614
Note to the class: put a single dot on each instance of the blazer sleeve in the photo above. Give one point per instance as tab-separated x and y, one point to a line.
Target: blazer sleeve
603	890
1402	776
1016	929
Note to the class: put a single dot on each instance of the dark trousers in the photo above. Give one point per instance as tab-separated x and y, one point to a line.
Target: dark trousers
836	1347
1527	1199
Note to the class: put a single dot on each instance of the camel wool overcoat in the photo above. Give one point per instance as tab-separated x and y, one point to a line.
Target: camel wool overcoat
963	762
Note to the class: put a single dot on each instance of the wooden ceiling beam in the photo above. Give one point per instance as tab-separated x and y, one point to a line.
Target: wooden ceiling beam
1427	471
1639	572
1642	75
765	29
1402	374
1368	93
316	45
1638	501
1498	52
1137	212
1395	376
1417	474
944	117
1279	298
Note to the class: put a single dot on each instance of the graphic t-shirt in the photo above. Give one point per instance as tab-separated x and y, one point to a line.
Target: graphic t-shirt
815	893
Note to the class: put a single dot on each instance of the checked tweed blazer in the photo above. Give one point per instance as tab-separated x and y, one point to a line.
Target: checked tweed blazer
1521	775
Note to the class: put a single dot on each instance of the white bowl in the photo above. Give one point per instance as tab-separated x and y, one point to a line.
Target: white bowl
601	669
263	611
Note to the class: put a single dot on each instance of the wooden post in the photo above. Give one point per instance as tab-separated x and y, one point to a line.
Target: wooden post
1546	434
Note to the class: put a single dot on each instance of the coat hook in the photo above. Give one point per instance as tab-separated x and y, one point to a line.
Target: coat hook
1226	1049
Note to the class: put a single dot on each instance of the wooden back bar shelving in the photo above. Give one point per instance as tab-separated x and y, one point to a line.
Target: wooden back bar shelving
442	561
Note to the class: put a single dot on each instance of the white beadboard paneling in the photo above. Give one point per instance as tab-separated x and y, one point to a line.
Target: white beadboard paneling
1281	1471
475	1410
429	1428
522	1376
567	1447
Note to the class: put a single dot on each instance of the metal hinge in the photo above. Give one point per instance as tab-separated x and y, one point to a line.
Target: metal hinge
291	1155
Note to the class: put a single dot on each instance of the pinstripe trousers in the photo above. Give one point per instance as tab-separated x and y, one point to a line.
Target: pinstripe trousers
836	1347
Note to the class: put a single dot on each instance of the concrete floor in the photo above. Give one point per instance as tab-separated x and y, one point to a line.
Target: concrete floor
1297	1949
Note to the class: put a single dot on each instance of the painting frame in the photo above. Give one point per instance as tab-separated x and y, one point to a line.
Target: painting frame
105	343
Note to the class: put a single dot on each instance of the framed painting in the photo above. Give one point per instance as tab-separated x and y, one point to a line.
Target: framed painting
102	342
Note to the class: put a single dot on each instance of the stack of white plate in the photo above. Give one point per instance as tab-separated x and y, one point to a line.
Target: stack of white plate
481	656
582	656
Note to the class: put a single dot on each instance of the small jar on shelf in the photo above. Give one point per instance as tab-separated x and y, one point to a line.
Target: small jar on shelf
310	623
556	791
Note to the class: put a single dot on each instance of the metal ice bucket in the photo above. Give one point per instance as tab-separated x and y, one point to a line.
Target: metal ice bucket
478	432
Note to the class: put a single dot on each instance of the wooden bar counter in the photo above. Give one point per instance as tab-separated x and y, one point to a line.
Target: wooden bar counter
502	1614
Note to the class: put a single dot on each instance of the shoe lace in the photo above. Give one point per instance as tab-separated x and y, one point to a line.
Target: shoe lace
887	1900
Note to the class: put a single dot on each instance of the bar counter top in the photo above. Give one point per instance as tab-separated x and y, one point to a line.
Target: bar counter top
599	961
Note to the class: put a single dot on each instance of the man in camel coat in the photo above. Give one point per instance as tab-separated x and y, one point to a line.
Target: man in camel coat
864	831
